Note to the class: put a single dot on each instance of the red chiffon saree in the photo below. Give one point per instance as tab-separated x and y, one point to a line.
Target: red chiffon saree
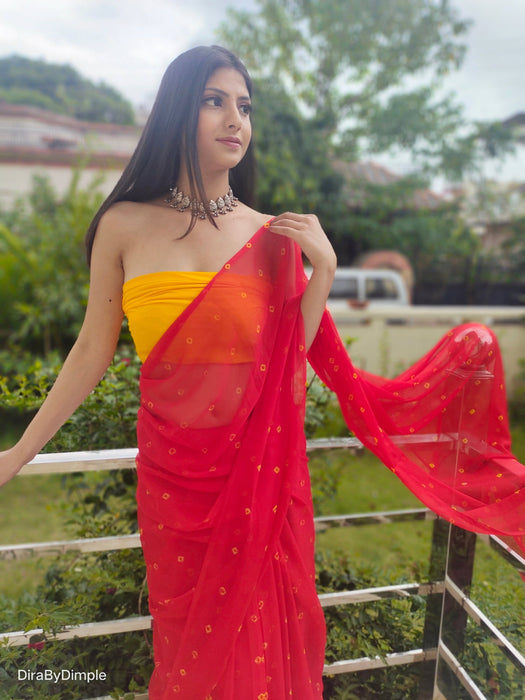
224	500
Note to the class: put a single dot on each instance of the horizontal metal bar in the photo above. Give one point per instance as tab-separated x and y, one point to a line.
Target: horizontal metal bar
458	314
132	624
483	621
334	443
124	458
460	673
92	460
367	663
92	544
324	522
87	629
15	552
136	696
510	555
365	595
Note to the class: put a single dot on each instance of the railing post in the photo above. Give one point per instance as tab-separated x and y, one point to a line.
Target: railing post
434	606
459	570
452	557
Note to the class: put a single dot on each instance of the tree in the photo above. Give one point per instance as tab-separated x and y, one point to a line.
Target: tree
44	276
61	89
387	216
367	74
294	167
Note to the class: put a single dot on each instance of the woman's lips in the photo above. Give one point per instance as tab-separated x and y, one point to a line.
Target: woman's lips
230	142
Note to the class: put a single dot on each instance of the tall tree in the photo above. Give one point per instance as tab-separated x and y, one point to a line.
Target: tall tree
294	167
368	73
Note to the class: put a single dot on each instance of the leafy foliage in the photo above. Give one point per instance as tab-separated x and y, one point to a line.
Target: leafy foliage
107	417
368	629
338	79
367	74
43	274
492	672
95	587
295	172
60	88
384	217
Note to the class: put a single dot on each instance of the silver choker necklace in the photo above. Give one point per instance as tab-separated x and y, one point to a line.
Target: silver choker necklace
180	201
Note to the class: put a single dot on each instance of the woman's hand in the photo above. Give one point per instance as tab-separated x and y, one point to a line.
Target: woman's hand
306	230
10	465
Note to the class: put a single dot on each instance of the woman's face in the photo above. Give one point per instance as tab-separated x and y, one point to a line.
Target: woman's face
224	129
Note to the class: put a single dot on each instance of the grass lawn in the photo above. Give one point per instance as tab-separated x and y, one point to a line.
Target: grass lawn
368	486
29	512
400	551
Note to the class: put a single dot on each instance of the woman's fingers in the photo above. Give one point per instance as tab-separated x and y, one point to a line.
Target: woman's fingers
306	230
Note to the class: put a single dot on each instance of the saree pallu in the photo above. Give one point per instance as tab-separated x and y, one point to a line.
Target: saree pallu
224	500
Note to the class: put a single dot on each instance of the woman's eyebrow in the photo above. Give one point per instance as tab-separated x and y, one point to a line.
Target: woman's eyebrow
224	94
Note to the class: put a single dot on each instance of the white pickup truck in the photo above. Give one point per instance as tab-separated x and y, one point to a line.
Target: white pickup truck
359	288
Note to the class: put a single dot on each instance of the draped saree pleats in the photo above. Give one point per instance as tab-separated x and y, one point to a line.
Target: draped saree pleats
224	500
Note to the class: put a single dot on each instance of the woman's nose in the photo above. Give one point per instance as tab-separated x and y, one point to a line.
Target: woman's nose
233	118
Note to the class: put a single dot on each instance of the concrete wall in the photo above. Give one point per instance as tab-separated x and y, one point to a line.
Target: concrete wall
16	179
388	341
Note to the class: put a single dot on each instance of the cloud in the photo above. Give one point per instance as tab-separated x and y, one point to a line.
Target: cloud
490	83
129	44
126	44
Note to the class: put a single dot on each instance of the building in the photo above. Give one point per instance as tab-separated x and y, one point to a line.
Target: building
374	174
517	124
35	141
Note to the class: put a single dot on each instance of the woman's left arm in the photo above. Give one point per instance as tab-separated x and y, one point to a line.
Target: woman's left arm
306	230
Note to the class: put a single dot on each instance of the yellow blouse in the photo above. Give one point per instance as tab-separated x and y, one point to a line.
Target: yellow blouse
153	301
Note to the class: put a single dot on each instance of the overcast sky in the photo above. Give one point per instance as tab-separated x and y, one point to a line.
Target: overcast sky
128	44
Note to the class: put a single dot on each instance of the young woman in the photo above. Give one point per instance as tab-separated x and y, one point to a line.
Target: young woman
222	316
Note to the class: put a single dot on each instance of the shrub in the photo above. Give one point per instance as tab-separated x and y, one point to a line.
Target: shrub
368	629
43	273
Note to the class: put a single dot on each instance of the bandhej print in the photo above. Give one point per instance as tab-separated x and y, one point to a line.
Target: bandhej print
224	499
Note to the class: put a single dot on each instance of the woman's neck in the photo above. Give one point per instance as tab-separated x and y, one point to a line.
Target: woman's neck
214	186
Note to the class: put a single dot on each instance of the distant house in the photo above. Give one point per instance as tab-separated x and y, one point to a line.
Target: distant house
375	174
34	140
517	124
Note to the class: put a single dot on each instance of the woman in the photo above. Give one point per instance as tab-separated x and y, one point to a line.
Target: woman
222	317
199	138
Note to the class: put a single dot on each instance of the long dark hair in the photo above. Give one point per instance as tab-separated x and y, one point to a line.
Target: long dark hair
155	164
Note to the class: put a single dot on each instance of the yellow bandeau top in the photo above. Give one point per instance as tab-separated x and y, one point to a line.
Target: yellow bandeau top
153	301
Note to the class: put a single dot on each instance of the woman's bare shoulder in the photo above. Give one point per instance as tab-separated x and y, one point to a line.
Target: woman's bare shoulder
256	218
123	216
120	225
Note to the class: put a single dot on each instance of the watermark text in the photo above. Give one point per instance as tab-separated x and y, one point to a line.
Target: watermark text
65	674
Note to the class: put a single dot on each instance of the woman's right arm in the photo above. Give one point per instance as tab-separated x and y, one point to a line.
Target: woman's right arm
89	357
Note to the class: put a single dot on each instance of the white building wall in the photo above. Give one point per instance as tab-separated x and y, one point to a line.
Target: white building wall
16	179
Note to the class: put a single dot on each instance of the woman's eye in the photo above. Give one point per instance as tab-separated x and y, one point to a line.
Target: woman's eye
213	100
246	108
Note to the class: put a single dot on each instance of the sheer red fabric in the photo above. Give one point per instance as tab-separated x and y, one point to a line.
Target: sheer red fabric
224	500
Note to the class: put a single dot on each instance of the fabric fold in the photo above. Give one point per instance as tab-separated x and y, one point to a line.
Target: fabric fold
224	499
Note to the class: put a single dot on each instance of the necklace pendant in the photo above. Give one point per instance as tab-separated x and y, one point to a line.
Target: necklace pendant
179	201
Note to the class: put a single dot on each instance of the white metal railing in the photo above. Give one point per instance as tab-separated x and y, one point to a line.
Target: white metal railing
125	459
